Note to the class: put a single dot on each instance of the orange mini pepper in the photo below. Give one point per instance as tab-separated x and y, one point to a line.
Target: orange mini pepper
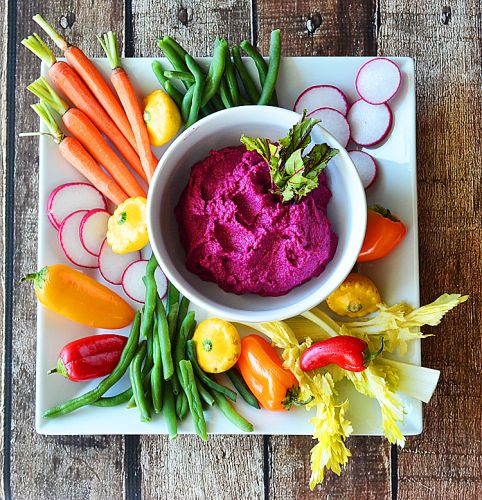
262	370
80	298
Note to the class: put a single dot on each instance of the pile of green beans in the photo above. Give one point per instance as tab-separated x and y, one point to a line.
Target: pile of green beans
227	82
164	373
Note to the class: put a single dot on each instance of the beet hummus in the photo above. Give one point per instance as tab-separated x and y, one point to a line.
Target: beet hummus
239	235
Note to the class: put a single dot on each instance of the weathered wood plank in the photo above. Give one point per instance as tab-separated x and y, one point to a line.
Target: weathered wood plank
3	169
444	462
50	467
321	28
231	467
194	24
324	28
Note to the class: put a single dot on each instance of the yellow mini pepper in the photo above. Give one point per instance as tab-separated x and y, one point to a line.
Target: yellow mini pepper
218	345
357	296
127	227
162	117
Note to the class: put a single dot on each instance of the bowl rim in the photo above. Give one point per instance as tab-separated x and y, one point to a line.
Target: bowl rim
242	315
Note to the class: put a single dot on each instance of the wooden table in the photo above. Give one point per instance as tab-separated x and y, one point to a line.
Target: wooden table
445	461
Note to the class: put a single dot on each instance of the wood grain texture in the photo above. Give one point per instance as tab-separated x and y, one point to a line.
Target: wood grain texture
193	23
445	41
323	28
49	467
319	28
229	466
3	227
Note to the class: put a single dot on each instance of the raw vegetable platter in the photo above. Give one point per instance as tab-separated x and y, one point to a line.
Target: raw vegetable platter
396	275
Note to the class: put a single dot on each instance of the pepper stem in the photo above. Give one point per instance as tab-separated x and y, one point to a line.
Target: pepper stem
368	356
38	278
53	370
108	42
55	36
35	44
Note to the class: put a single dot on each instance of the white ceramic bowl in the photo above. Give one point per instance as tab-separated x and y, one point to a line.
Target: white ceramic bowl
346	211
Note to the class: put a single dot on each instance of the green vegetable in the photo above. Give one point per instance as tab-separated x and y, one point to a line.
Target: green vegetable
169	410
137	382
245	77
179	75
173	296
216	71
182	338
182	405
118	399
225	94
183	309
230	75
90	397
156	372
186	104
231	414
195	405
150	300
238	381
293	174
205	379
164	340
196	99
204	393
273	68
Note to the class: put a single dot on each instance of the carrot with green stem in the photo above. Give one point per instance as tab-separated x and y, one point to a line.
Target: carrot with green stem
81	127
69	82
71	149
127	95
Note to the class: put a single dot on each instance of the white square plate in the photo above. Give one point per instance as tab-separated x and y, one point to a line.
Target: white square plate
396	275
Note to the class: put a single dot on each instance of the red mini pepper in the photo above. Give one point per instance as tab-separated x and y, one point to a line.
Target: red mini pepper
349	353
384	232
90	357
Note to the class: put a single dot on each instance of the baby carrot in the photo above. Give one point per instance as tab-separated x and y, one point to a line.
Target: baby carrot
80	126
70	83
71	149
127	95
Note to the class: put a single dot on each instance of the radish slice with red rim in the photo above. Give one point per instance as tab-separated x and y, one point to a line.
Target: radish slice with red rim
321	96
366	167
112	265
369	123
69	238
378	80
333	121
133	283
71	197
93	229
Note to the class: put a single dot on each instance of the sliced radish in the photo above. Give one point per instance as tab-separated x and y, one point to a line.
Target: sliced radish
93	229
68	198
112	265
321	96
369	123
378	80
366	167
69	238
161	282
133	281
334	122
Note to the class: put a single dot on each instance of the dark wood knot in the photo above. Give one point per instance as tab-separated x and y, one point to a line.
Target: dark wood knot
184	15
67	21
446	15
313	23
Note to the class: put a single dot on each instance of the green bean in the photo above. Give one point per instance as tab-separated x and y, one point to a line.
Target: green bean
217	103
186	104
164	340
182	405
230	74
240	385
183	309
167	85
179	75
173	296
137	382
198	90
225	94
156	372
118	399
195	405
150	300
169	410
273	68
246	79
231	414
176	46
176	59
183	337
93	395
261	66
215	72
204	393
191	352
